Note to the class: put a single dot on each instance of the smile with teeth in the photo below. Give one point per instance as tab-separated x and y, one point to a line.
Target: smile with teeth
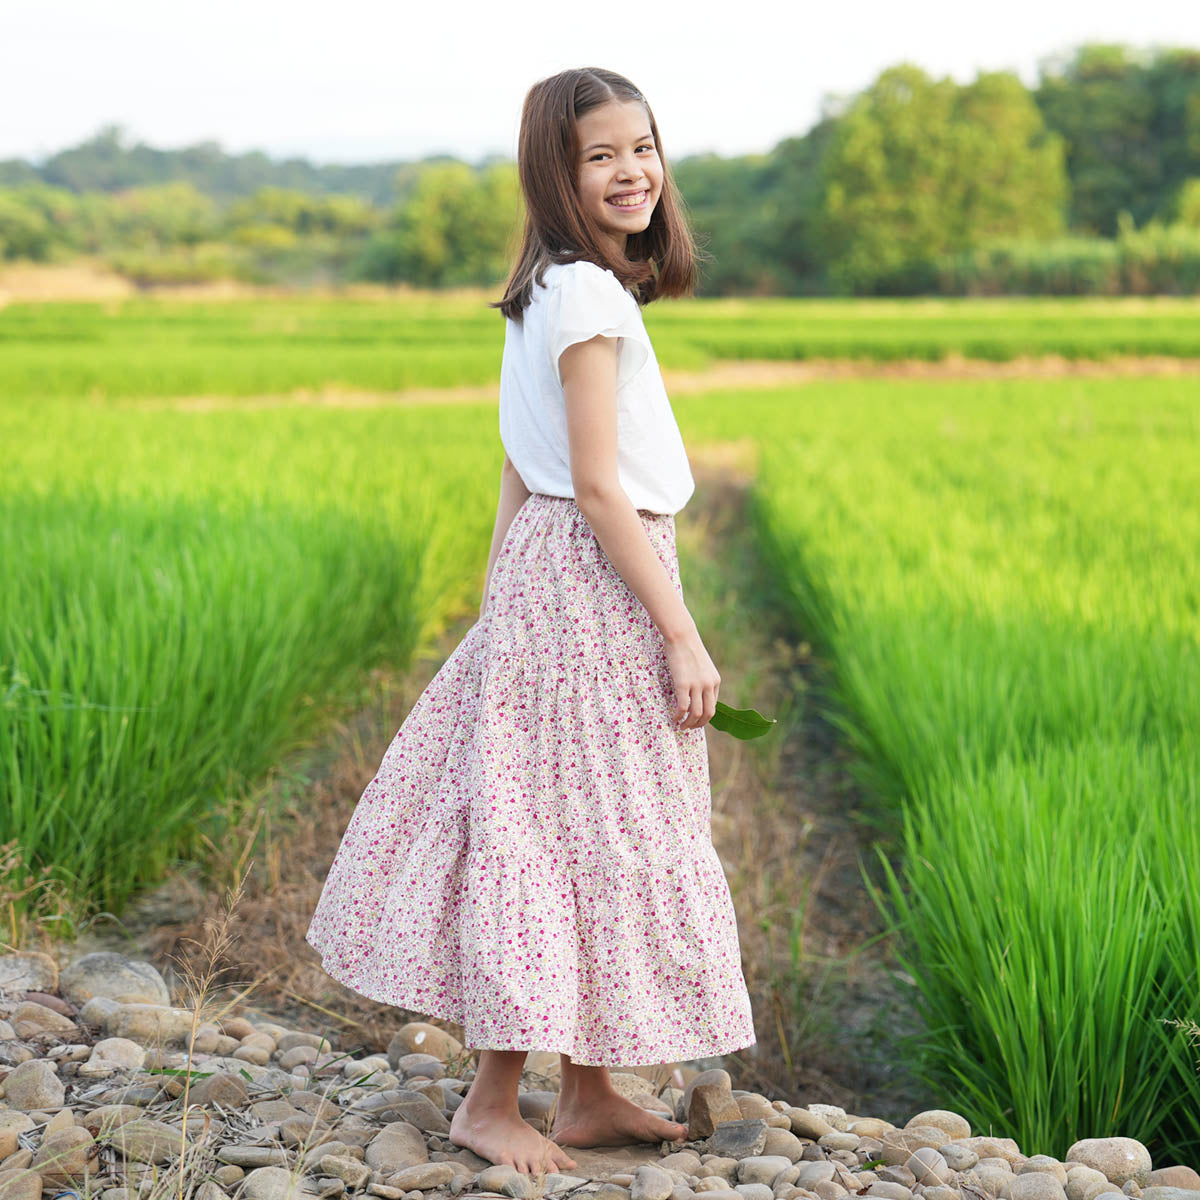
629	200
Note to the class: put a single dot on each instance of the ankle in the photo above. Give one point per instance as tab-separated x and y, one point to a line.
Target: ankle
491	1106
585	1091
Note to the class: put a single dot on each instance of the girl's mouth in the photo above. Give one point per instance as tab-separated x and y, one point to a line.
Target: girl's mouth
629	199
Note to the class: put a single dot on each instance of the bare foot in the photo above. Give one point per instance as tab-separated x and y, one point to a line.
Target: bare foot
505	1137
612	1120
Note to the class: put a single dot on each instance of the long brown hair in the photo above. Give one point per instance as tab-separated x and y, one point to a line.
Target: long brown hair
659	261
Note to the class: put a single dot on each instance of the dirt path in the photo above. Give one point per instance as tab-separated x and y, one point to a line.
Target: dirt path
827	1012
742	375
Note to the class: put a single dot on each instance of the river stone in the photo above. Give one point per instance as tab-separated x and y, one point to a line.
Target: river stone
894	1151
20	1184
739	1139
114	1054
761	1168
1042	1162
869	1127
295	1038
1116	1158
304	1130
65	1156
958	1158
254	1156
506	1180
150	1024
394	1147
700	1078
144	1140
952	1124
420	1037
423	1176
401	1104
33	1086
687	1161
29	1019
554	1182
314	1104
807	1124
992	1147
889	1191
901	1175
940	1192
831	1113
710	1105
1174	1177
928	1167
1170	1193
992	1179
350	1170
222	1089
126	980
814	1172
753	1105
753	1191
781	1141
826	1189
313	1155
1035	1185
1130	1188
838	1141
28	971
273	1183
651	1183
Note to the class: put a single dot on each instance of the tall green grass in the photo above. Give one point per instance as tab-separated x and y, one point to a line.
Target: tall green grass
1004	578
187	596
145	348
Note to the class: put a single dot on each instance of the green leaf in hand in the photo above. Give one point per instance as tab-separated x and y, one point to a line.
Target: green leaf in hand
743	723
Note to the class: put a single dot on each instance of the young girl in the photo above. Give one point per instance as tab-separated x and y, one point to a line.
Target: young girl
534	858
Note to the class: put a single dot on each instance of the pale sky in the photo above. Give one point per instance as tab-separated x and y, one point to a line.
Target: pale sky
365	81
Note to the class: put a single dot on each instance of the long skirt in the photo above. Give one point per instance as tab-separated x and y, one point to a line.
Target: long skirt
534	858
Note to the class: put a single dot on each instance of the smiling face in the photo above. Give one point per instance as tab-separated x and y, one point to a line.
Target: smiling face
620	173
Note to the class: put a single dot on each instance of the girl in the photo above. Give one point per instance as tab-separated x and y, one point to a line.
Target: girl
534	858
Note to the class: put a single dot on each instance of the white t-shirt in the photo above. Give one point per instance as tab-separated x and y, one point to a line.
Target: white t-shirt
576	302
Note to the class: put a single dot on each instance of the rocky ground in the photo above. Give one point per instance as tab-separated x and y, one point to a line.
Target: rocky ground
110	1090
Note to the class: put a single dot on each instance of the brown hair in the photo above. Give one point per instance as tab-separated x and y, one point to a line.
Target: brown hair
659	261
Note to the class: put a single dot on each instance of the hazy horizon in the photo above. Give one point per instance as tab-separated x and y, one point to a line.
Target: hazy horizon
389	84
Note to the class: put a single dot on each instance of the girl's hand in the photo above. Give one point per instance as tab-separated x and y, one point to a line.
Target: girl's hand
695	678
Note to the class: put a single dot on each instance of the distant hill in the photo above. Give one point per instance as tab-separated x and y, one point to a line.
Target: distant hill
109	161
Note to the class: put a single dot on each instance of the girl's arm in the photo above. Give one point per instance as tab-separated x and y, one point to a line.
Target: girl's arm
589	375
513	494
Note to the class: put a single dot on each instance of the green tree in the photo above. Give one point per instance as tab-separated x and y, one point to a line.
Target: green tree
457	227
1098	101
166	214
917	168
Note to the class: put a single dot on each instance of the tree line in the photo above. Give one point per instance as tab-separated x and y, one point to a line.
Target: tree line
1089	182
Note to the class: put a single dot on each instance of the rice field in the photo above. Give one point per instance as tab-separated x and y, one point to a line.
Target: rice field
1001	576
128	349
1004	580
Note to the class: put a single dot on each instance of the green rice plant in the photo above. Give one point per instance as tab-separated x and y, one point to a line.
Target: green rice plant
187	596
1002	577
145	349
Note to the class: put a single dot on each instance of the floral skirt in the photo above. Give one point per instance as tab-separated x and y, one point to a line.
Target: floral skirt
534	858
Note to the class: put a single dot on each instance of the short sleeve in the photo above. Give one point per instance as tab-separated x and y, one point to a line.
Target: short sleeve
586	301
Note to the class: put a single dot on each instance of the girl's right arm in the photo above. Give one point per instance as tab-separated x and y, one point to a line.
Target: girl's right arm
589	377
